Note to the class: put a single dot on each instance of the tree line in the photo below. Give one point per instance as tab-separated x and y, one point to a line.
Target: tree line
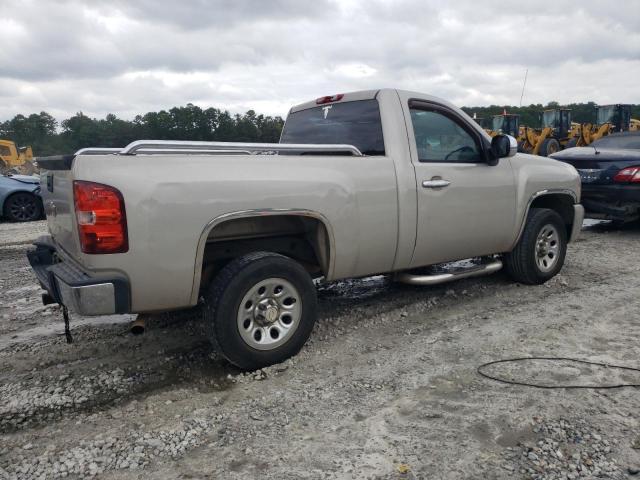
190	122
42	132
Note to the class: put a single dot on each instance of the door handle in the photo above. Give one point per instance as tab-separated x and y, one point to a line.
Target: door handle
436	183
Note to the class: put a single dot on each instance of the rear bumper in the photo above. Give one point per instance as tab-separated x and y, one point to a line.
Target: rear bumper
613	202
75	288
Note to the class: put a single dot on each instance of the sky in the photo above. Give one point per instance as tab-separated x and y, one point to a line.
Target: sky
131	57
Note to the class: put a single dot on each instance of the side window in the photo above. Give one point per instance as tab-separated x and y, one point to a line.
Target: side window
440	139
4	151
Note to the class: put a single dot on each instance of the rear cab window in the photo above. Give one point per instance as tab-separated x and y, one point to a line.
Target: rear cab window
356	123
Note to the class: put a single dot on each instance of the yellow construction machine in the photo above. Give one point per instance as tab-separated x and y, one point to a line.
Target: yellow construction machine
554	135
16	159
507	123
609	119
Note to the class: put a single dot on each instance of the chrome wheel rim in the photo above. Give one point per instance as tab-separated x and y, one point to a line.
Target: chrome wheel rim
547	248
269	313
23	207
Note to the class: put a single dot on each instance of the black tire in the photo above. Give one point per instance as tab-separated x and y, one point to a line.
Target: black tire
572	143
223	302
549	146
522	262
23	207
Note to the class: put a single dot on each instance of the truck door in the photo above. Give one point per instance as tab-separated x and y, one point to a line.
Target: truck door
466	207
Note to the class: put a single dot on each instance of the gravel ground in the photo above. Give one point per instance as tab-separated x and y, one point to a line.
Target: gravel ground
386	387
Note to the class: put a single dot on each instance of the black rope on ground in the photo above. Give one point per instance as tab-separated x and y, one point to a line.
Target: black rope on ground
563	359
67	330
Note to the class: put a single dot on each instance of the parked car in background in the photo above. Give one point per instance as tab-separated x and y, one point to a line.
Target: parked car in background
609	169
20	198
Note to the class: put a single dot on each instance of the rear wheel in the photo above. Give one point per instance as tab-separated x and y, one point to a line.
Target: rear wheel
549	146
540	252
260	309
22	207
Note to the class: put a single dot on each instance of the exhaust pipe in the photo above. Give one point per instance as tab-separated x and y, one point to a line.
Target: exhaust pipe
138	325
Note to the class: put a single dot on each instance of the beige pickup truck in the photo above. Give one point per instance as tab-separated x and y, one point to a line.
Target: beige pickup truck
379	181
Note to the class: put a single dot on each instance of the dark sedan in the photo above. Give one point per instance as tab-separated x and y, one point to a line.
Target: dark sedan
610	172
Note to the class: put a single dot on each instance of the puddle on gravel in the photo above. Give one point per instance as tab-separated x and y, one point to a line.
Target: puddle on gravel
592	222
353	289
367	287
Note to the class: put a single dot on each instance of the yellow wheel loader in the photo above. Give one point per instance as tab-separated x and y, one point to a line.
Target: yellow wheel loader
552	137
609	119
16	159
507	123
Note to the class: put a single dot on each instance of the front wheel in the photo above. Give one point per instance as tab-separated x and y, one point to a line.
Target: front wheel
549	146
23	207
540	252
260	309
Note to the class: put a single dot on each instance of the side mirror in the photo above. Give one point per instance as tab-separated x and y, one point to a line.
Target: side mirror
502	146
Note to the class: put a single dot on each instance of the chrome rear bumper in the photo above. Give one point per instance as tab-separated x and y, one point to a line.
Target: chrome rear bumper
75	288
96	299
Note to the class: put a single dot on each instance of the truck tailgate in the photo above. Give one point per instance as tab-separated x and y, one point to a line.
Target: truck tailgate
57	194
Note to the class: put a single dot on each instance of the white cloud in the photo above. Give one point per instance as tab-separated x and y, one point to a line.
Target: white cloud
132	57
354	70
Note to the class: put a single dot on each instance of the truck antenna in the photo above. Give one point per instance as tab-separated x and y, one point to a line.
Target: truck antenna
524	85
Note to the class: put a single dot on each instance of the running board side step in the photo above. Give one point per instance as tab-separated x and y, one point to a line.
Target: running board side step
435	279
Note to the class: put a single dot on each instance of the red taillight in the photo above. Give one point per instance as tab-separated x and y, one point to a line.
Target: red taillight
628	175
329	99
102	223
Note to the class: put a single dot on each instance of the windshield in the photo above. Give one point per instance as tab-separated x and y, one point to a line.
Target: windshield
507	124
498	122
606	114
550	118
352	123
623	141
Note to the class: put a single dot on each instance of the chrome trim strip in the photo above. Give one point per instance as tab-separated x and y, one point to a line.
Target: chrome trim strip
540	193
197	271
513	146
154	146
180	151
96	151
476	271
440	183
578	218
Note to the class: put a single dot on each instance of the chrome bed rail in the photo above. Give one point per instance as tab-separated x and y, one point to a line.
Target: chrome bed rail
166	147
